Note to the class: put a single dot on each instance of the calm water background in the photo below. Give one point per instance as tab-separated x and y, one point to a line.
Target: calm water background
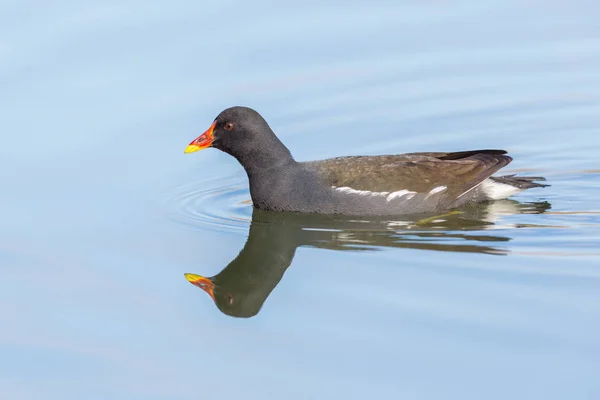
101	213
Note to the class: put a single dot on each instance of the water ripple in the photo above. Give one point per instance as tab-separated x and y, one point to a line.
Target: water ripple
210	204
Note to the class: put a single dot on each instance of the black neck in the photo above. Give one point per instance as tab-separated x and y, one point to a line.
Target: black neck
268	155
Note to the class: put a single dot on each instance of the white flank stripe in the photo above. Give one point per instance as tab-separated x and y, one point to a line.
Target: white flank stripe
401	193
349	190
436	190
389	196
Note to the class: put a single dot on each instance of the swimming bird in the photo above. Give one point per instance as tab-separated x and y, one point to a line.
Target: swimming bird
401	184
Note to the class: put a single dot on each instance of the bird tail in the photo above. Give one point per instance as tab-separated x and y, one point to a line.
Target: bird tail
521	182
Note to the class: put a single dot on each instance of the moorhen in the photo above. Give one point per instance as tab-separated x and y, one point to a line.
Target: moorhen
409	183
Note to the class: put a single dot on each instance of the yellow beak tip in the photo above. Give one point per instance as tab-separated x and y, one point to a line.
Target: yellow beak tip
192	277
191	149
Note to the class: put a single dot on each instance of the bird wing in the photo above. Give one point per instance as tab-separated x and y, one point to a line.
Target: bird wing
456	172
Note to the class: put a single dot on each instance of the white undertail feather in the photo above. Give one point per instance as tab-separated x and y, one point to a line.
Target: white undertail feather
496	191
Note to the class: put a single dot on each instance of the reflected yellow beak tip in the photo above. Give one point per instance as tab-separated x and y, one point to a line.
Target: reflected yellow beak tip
192	148
193	277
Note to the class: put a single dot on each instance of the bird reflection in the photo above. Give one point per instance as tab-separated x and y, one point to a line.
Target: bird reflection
242	287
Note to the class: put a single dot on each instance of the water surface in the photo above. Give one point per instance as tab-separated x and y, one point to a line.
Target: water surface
102	214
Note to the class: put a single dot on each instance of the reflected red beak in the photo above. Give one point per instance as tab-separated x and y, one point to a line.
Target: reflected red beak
203	141
203	283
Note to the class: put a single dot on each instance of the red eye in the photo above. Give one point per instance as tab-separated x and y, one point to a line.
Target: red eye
229	126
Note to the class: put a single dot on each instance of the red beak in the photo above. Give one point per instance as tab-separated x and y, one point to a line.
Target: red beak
203	141
203	283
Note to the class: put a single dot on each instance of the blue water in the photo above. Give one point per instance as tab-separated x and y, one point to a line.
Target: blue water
101	212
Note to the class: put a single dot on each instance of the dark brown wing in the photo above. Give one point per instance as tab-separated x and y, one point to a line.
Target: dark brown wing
418	172
457	155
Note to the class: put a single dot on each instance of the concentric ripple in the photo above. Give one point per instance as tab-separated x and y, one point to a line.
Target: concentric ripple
220	204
